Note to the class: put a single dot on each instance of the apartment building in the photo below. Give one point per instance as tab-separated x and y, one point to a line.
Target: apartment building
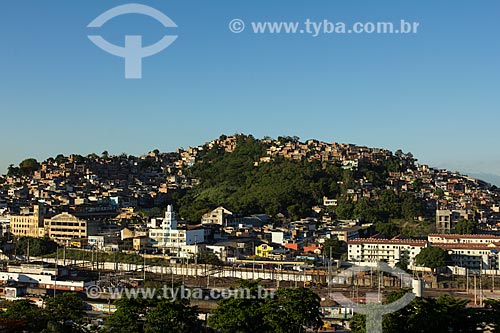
462	239
475	252
446	219
64	227
345	234
28	225
391	251
169	236
476	257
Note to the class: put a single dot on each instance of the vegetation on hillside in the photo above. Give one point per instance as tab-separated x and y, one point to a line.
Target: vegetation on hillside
442	314
239	182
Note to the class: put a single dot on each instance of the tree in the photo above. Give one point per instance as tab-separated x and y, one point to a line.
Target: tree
388	229
464	227
292	310
21	316
78	159
206	257
13	171
37	246
65	307
411	207
289	311
237	315
365	211
28	166
126	317
432	257
332	246
60	159
175	317
491	315
439	193
344	209
240	315
444	314
403	263
357	324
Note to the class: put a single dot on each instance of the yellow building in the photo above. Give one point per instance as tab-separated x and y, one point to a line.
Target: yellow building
263	250
28	225
140	242
65	227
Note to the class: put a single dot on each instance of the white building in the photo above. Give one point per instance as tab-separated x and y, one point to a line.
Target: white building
475	257
96	241
4	224
462	239
391	251
474	252
345	234
220	216
167	235
278	237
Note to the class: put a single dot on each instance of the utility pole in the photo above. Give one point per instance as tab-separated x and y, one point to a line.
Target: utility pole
330	273
305	268
172	271
475	290
467	279
208	276
379	286
480	290
57	271
196	250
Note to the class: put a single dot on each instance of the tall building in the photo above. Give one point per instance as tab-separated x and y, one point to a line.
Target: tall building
65	227
29	225
478	253
60	227
446	220
170	237
391	251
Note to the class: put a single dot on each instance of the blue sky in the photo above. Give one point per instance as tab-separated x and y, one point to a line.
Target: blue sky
435	93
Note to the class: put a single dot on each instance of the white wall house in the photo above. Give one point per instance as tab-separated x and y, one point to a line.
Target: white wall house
391	251
476	257
167	235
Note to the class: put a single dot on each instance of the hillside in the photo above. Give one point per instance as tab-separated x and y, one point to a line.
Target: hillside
248	175
243	182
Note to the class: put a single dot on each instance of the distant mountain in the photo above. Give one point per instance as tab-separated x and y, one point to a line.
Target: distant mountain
488	177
